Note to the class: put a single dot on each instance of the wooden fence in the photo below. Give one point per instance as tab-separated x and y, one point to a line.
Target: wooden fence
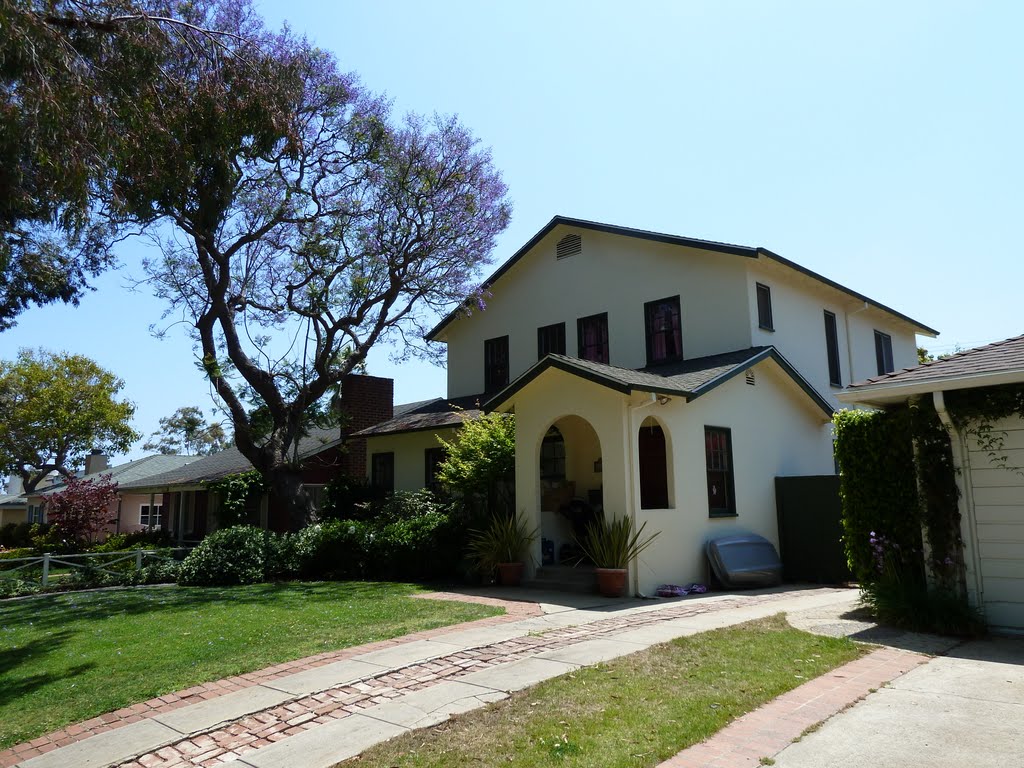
102	562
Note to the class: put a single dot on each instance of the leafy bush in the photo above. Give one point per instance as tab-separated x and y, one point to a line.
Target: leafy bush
10	554
120	542
242	554
878	487
16	535
7	533
910	604
349	498
53	538
334	549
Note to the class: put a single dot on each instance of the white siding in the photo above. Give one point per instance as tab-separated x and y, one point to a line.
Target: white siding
998	495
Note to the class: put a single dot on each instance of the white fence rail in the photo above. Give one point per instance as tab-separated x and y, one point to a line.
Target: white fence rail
18	567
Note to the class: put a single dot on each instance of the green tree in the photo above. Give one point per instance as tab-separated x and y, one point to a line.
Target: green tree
480	463
303	219
186	432
56	408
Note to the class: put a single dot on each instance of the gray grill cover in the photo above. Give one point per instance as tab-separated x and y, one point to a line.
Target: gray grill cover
744	560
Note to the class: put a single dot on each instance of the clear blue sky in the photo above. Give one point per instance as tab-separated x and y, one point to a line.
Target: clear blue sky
876	143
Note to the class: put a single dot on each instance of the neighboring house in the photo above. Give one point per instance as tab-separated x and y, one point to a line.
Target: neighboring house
131	511
189	510
991	496
661	377
13	508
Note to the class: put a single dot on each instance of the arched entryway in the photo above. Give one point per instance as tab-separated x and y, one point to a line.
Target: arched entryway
570	468
652	448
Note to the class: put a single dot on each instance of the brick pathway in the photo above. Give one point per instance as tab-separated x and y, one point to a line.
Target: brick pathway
228	742
771	728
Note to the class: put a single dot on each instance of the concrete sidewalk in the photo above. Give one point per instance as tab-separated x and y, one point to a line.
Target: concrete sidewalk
314	715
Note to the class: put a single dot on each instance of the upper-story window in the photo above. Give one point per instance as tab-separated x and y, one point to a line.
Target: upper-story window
495	363
551	340
883	353
664	335
764	308
593	337
835	377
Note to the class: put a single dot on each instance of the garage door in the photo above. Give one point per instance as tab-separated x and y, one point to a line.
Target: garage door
999	513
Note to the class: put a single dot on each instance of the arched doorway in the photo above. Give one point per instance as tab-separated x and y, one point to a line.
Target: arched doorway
653	456
570	468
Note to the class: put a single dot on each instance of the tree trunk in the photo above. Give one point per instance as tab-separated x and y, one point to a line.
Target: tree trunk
287	491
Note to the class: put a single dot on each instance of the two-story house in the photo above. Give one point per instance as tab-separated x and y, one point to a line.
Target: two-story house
656	376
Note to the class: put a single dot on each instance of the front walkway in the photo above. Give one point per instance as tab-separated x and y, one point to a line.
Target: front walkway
315	712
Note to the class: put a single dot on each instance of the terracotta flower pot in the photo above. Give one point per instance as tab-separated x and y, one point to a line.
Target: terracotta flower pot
611	582
510	574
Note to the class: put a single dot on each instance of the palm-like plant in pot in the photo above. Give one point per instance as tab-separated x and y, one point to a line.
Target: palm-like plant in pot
502	547
612	546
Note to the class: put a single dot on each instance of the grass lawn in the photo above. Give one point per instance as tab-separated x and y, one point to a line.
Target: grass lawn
635	711
70	657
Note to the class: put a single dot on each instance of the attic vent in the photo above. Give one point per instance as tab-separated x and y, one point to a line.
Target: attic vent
569	245
751	379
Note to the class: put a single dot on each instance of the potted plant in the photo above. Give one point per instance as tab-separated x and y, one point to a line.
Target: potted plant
612	547
502	547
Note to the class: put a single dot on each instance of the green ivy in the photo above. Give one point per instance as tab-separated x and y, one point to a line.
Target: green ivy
975	412
234	490
878	487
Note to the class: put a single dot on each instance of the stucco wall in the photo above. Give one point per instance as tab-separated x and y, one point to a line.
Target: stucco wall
776	430
613	274
409	449
131	504
798	309
13	515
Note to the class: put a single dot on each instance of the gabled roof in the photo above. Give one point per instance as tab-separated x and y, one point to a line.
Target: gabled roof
1001	362
129	472
228	462
13	500
747	251
439	413
689	378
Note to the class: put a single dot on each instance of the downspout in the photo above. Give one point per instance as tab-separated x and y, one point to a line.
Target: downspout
849	342
962	461
630	410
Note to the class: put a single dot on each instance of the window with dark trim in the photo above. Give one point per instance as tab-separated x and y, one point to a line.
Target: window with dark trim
382	471
883	353
664	334
592	333
552	455
551	340
764	308
718	456
495	363
432	460
835	377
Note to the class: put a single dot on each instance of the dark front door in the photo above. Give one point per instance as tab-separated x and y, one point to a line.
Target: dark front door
653	468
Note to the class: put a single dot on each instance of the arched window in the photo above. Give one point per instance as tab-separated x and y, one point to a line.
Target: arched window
653	466
552	456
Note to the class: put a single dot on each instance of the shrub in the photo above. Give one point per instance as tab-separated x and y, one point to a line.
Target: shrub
11	554
120	542
16	535
910	604
82	509
334	549
7	533
52	538
242	554
349	498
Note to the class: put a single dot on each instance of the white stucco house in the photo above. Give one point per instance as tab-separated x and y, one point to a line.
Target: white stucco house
661	377
991	495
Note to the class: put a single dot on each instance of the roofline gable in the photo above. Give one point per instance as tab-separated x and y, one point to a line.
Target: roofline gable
747	251
567	365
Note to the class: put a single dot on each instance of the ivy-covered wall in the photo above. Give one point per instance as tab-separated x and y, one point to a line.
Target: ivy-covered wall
878	488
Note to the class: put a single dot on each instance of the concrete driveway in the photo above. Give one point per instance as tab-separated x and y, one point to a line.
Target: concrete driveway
962	709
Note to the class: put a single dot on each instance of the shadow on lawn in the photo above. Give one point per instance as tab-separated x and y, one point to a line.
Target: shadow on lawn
55	611
13	687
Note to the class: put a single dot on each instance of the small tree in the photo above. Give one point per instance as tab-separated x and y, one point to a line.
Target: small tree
186	432
82	509
480	463
55	409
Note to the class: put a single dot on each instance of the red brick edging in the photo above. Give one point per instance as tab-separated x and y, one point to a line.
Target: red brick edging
771	728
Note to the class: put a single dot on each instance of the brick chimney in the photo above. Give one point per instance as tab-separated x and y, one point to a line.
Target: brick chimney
364	401
95	462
